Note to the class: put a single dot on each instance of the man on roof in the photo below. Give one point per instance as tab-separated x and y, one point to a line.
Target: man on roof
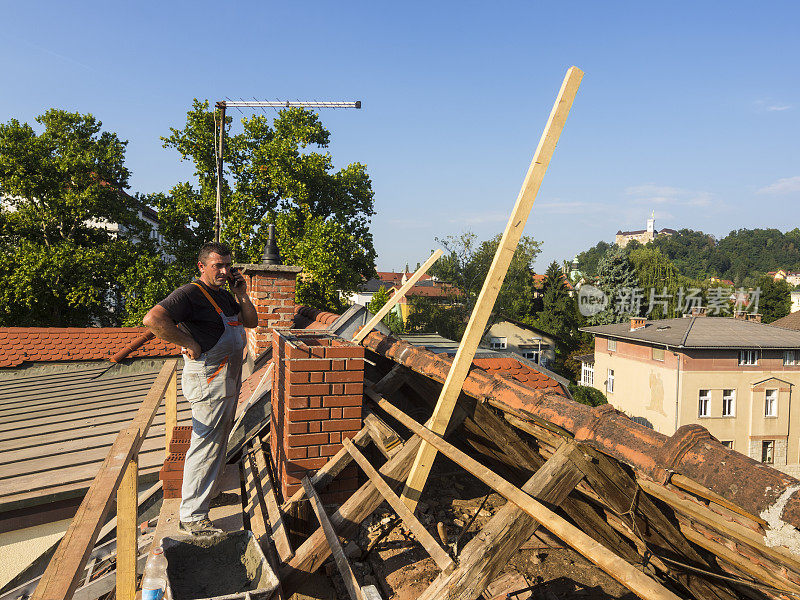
208	322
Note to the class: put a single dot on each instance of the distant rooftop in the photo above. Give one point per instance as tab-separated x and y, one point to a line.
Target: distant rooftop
703	332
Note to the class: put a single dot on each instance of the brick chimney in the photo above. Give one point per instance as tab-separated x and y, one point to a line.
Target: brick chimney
637	323
271	288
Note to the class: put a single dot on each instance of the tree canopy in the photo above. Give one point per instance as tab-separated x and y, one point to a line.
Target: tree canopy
273	174
775	299
62	197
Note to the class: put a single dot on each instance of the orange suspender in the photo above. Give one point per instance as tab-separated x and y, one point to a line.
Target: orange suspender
210	299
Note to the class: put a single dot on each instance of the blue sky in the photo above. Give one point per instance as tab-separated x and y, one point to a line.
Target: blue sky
689	109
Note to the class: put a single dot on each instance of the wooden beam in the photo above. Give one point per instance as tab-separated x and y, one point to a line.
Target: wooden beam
384	437
333	541
170	410
127	542
362	333
488	553
432	547
494	281
63	573
278	529
619	569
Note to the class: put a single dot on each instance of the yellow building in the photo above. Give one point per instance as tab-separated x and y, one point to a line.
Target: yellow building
737	378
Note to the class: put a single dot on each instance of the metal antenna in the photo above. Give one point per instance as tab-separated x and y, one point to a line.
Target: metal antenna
239	104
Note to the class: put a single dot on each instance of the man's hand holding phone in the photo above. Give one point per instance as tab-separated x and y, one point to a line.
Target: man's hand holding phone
236	282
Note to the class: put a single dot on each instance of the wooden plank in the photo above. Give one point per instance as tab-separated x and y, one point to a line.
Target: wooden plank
333	541
612	564
491	286
487	554
432	547
61	578
127	541
254	507
170	411
384	310
280	534
384	437
325	474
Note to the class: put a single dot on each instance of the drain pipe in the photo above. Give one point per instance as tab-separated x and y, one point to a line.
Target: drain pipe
677	387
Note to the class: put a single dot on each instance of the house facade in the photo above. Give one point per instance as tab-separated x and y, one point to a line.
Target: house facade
531	343
736	378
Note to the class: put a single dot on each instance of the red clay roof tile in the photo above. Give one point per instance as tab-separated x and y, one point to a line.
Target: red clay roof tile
20	344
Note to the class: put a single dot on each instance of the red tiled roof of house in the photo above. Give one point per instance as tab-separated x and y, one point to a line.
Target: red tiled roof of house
514	369
25	344
306	317
538	280
790	321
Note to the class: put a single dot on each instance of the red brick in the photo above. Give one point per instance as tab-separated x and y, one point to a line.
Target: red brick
336	413
345	352
338	364
294	352
336	437
315	402
341	425
314	426
297	466
297	453
299	377
350	412
344	376
313	451
355	364
308	389
354	388
310	364
316	377
337	389
307	439
349	434
316	351
335	401
329	449
299	427
299	402
307	414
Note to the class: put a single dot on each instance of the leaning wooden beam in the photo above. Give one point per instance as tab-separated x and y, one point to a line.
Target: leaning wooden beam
494	281
314	551
488	553
362	333
432	547
384	437
63	573
333	541
278	529
612	564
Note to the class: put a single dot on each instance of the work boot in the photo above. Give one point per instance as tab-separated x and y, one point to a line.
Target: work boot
202	526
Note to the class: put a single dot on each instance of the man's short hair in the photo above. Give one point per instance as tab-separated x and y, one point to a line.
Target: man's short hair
210	247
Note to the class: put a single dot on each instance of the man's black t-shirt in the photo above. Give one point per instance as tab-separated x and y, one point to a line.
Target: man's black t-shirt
195	315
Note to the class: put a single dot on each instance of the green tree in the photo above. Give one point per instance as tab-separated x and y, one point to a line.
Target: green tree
465	265
657	276
272	175
587	395
775	299
617	278
62	201
559	316
588	260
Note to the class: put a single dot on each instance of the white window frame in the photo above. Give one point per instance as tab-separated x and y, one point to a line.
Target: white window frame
532	355
748	358
771	403
790	358
727	443
704	403
498	343
587	374
768	452
728	403
612	345
610	382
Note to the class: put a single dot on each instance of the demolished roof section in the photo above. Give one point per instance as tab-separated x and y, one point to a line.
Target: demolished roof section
691	451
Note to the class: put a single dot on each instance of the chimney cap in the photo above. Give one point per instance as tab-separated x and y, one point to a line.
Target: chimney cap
271	255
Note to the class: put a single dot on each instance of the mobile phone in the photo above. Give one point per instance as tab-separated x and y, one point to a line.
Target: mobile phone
232	272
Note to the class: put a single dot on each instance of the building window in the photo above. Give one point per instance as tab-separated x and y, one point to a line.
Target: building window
610	382
612	345
771	403
658	354
790	358
703	403
587	374
728	403
498	343
768	451
531	355
748	357
727	443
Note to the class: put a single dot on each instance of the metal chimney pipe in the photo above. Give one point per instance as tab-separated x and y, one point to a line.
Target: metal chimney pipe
271	255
